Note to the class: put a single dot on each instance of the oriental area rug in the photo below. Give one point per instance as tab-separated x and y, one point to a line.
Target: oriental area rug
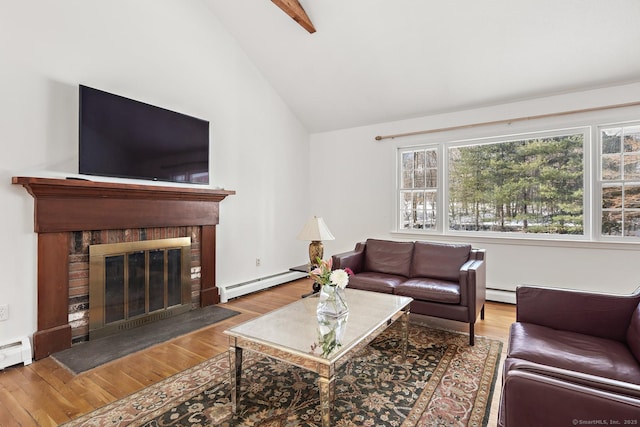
443	382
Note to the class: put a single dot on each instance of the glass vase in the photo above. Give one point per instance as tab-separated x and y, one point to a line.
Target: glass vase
332	301
330	332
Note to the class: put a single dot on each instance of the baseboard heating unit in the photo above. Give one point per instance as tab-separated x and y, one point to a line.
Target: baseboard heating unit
501	295
233	291
15	352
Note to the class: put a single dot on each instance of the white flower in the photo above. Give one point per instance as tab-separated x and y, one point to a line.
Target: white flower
339	278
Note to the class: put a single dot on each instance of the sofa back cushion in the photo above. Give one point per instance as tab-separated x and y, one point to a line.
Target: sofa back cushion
633	334
439	260
386	256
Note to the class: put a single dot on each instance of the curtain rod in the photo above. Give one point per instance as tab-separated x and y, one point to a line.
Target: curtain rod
517	119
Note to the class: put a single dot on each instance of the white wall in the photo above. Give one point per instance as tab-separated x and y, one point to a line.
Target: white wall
170	53
354	176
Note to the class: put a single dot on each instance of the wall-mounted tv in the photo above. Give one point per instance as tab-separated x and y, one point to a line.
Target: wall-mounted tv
124	138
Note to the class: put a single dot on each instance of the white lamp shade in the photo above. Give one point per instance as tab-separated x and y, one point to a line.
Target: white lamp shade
315	230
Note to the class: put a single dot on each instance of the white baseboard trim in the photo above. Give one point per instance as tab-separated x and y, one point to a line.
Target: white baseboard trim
500	295
239	289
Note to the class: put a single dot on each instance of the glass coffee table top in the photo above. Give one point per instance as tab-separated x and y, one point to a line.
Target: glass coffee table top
296	328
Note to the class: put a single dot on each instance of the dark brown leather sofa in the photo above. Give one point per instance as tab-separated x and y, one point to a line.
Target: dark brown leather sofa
445	280
573	359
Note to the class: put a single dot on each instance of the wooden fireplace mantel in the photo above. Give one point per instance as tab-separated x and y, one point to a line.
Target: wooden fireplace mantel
65	205
74	205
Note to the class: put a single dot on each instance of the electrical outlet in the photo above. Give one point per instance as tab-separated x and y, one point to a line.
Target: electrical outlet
257	262
4	312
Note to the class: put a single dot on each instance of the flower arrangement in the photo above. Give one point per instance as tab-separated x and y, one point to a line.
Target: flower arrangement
323	274
332	283
332	307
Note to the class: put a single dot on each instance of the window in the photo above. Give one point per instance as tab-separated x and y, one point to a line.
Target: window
533	185
419	189
529	185
620	180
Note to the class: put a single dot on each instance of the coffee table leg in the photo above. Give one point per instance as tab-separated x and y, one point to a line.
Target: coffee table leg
405	333
235	374
327	395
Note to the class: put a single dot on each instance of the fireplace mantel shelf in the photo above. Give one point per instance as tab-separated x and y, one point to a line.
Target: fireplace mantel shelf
62	206
74	205
80	188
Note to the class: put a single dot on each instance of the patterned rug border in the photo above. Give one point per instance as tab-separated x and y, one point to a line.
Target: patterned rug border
150	402
492	362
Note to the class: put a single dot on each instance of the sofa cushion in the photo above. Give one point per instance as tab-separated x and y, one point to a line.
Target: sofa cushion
633	334
385	256
377	282
433	290
573	351
439	260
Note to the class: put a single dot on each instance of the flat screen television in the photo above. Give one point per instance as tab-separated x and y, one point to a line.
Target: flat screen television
124	138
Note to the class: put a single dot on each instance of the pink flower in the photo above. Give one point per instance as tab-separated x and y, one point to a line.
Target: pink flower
324	275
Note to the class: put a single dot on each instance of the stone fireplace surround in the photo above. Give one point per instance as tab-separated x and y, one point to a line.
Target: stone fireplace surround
64	207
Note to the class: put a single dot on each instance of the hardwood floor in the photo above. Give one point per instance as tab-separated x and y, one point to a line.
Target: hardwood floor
46	394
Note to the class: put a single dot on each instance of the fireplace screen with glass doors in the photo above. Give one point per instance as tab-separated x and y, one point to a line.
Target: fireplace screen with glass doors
134	283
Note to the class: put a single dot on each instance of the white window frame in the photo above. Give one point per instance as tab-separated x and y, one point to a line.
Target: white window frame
600	183
398	190
442	148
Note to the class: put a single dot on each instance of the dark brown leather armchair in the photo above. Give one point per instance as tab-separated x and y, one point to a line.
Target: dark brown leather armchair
573	359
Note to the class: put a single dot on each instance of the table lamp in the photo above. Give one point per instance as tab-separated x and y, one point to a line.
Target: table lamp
315	230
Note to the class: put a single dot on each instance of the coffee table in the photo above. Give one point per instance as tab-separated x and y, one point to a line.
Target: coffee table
292	334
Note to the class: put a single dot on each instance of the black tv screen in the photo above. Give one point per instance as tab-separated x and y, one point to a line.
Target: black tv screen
121	137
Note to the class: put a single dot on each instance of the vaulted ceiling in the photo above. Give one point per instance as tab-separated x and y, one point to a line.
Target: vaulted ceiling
372	61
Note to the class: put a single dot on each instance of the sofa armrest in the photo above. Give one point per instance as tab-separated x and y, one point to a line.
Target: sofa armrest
352	259
597	314
532	399
477	254
473	285
579	378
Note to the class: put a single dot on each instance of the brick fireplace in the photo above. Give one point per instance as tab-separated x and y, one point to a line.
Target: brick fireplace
87	277
70	213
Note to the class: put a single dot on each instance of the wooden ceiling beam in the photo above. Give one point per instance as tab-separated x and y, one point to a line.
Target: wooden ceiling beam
295	11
